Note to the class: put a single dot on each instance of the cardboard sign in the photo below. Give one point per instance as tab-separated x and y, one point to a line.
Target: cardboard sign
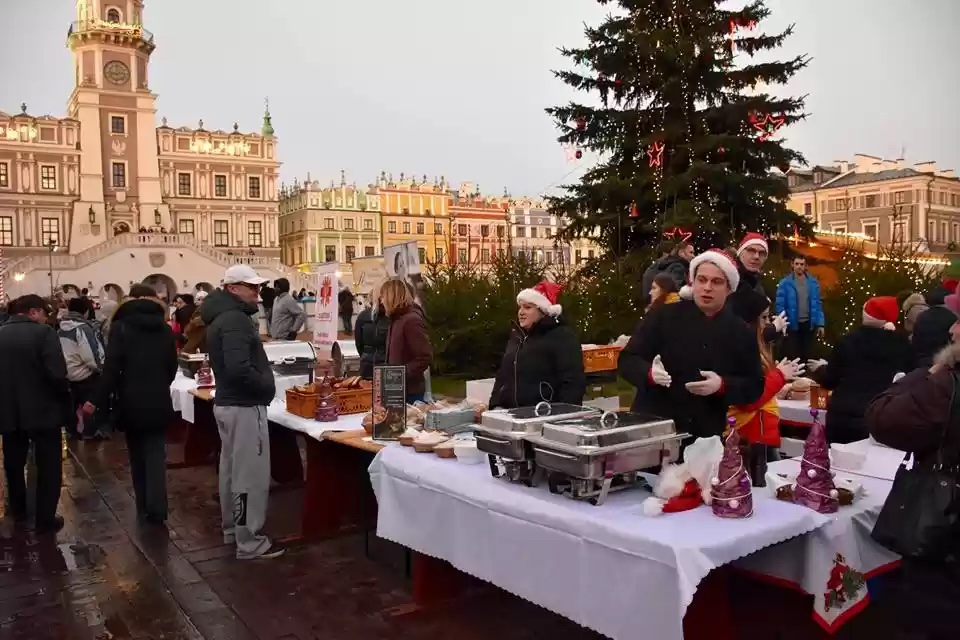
389	402
325	310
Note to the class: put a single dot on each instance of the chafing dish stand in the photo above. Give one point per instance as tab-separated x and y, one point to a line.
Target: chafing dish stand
501	433
586	458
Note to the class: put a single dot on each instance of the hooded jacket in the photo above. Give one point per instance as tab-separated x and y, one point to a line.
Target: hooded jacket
543	363
81	346
913	306
140	365
241	370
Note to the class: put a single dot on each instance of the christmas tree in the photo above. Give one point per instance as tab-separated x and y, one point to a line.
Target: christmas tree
815	488
731	490
686	131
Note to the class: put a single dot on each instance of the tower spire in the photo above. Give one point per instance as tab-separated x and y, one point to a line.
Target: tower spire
267	118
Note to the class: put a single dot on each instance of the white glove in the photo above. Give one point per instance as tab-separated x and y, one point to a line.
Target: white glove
780	323
791	369
710	384
659	374
813	365
899	376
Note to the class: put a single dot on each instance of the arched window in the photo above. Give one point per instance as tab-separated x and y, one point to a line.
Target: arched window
113	15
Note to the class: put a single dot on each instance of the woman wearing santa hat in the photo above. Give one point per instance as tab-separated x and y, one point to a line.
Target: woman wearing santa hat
693	359
543	359
861	367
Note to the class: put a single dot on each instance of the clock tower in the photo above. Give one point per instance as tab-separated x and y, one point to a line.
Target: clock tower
119	169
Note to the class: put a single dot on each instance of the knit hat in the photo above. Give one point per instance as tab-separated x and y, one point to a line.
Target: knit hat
544	296
881	312
752	239
719	258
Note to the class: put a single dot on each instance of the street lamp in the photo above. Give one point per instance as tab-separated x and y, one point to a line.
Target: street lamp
157	219
51	247
93	215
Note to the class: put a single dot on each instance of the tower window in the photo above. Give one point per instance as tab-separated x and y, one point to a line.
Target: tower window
118	124
113	15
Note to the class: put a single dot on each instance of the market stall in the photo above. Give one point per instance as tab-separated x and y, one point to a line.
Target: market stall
587	563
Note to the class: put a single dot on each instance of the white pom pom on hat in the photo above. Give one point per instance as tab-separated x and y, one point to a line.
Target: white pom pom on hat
544	297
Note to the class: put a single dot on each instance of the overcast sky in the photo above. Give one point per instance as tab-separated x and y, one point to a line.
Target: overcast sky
458	88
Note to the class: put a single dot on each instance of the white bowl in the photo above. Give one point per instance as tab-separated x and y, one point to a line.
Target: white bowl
844	458
468	453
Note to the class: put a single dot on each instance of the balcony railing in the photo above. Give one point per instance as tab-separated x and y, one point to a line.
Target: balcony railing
120	29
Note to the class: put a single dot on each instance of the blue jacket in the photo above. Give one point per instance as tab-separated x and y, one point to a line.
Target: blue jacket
787	300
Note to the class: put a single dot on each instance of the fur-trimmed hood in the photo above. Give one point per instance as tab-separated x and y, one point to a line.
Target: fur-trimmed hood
949	356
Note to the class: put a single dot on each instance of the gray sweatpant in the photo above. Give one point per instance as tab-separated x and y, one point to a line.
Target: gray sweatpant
244	477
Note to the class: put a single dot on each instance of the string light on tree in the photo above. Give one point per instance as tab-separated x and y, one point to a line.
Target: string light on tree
655	154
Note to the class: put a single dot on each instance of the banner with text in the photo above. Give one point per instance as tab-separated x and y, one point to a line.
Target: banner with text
325	310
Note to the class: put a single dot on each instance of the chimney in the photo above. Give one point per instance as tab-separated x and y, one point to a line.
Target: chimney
925	167
863	162
842	165
889	165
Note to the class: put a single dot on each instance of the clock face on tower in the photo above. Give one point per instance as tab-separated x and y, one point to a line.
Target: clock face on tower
116	72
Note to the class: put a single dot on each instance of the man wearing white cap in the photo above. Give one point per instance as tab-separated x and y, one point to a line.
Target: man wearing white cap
245	386
693	359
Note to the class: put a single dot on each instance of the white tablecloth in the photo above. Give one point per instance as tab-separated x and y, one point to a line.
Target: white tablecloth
842	550
798	411
277	413
608	568
180	395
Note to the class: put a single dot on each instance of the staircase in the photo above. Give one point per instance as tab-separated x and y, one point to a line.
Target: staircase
63	262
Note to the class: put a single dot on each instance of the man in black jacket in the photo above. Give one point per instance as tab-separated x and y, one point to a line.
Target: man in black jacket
245	386
34	405
693	359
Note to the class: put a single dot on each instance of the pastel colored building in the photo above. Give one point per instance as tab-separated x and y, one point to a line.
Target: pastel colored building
415	209
479	226
103	197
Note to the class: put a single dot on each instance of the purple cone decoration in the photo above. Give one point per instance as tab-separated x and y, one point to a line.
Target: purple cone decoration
731	490
815	488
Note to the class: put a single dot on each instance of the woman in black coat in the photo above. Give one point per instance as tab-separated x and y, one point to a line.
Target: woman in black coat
370	336
543	359
862	367
140	365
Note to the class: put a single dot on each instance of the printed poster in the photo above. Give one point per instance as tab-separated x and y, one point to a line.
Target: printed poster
325	310
389	402
403	261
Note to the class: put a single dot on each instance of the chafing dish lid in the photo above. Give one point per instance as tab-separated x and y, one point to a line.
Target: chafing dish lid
608	428
546	409
281	352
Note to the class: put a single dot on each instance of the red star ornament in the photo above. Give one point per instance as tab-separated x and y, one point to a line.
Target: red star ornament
678	234
768	125
655	154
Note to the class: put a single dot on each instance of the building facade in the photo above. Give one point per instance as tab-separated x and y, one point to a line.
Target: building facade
885	200
479	226
104	196
533	233
412	209
328	224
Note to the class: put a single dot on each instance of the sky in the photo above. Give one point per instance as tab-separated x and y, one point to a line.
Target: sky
445	87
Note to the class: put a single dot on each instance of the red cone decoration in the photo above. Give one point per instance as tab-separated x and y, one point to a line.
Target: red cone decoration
815	488
731	491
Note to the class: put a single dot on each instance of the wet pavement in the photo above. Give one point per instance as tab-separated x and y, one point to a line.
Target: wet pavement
105	577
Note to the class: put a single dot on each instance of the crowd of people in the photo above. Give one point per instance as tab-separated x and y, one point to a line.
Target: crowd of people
712	352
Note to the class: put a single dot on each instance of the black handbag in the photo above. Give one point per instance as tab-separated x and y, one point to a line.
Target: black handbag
921	517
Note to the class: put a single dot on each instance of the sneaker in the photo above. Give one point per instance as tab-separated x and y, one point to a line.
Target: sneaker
273	551
52	526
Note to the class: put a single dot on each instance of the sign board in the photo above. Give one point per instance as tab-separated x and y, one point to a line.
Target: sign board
368	272
403	261
389	402
325	310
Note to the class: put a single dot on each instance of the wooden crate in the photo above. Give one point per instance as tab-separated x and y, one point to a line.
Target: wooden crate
302	404
818	397
353	401
598	359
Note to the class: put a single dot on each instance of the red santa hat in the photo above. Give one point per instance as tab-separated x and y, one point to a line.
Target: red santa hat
544	296
881	312
752	239
676	490
719	258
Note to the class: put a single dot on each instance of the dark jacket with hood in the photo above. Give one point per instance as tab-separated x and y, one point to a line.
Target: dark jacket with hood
931	333
140	365
915	415
544	363
860	368
241	370
677	267
370	336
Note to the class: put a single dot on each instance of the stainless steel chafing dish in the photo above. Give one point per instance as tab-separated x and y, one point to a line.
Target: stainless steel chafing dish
588	457
346	359
501	434
291	358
